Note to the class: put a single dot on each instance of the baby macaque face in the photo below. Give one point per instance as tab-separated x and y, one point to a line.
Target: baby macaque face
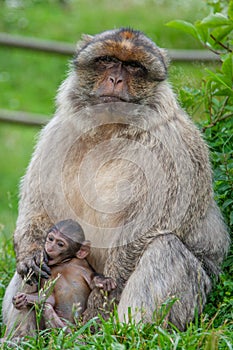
56	247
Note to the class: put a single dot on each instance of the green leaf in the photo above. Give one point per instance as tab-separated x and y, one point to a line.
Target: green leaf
227	203
231	218
203	32
215	20
222	32
220	78
186	27
227	66
230	10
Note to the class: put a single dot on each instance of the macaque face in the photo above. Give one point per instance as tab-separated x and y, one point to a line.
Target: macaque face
56	247
117	78
119	65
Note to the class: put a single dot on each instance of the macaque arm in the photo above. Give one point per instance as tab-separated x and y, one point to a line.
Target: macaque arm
95	279
23	300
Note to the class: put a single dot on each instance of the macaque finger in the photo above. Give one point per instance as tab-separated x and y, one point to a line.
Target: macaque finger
21	305
19	301
22	269
100	285
46	259
44	265
32	280
40	261
45	269
39	272
109	284
19	296
106	286
113	284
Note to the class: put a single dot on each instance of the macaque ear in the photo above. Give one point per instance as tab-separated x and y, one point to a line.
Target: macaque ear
86	39
84	250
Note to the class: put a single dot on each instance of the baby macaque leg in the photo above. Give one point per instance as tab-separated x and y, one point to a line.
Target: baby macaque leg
51	319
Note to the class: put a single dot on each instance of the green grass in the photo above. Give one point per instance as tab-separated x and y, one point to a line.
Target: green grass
112	334
28	82
50	20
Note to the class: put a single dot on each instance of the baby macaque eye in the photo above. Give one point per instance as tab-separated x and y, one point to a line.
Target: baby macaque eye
50	238
60	244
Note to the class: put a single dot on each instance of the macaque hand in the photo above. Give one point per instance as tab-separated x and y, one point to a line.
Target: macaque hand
34	267
105	283
20	301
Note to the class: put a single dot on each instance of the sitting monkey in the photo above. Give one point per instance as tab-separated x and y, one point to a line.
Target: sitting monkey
66	249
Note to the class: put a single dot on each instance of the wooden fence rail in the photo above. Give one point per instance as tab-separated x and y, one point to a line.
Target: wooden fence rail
22	118
36	44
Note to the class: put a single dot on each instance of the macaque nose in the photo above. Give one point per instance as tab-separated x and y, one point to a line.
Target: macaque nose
49	247
115	80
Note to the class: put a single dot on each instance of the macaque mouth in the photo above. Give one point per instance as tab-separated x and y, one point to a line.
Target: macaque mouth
52	262
106	98
50	259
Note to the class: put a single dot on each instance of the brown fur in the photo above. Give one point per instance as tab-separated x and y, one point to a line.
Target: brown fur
136	175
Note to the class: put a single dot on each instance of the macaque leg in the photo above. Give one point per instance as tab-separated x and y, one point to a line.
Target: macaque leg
51	319
166	270
18	322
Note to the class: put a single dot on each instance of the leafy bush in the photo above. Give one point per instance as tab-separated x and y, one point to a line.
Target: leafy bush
215	100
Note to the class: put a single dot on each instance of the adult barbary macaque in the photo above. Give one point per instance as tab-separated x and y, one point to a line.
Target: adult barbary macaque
123	159
66	300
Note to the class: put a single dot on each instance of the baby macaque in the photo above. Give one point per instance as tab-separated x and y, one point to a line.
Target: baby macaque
66	249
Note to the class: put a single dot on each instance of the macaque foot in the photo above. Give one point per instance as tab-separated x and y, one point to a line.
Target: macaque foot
105	283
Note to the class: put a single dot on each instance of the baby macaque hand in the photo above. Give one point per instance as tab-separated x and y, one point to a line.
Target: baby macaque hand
20	301
105	283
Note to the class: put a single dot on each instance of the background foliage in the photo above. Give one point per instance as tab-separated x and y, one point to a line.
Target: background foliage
215	96
28	81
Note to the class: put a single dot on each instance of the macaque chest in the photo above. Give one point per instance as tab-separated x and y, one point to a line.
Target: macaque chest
71	294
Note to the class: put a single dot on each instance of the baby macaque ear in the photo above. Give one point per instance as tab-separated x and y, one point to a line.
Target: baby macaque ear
84	250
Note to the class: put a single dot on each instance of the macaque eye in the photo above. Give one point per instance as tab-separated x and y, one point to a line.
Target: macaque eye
50	238
135	67
106	60
60	244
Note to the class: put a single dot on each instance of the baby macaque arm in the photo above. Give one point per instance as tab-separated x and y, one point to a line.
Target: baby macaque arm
23	300
92	278
95	279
